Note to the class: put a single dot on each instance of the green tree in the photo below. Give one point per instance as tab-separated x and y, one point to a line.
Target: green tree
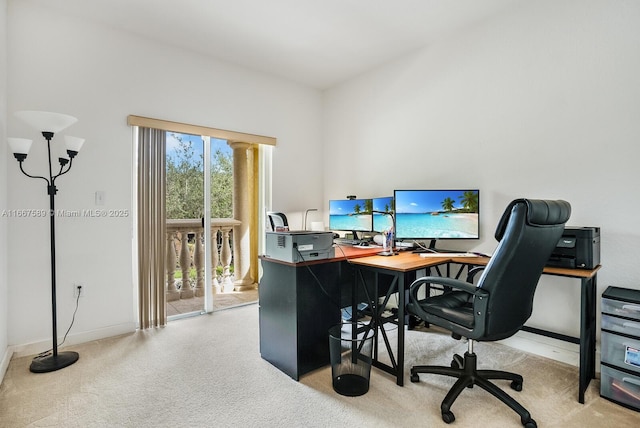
368	205
221	185
447	204
469	200
185	182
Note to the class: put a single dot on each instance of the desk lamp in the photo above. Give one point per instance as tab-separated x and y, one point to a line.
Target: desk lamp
304	225
387	236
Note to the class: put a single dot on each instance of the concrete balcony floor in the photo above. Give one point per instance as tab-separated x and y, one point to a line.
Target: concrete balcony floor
220	301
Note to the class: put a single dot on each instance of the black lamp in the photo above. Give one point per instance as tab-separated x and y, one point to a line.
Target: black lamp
49	123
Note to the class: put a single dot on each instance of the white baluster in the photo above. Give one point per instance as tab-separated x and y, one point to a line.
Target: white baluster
227	281
171	289
198	261
215	260
186	292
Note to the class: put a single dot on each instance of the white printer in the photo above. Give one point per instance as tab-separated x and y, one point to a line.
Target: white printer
300	246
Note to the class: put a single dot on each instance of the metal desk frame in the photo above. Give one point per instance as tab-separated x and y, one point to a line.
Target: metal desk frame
403	267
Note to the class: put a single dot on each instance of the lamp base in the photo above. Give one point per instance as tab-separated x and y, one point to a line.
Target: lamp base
53	362
387	253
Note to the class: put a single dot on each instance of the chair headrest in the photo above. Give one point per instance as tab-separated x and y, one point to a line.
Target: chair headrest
540	212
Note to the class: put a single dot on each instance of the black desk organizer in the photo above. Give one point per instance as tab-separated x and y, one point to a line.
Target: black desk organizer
620	354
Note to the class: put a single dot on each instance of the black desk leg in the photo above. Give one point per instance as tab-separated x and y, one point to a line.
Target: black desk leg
587	335
402	281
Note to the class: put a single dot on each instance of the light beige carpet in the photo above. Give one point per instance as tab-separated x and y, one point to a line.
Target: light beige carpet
207	371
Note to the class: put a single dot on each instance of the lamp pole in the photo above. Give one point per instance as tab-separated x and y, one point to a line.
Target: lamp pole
56	360
304	223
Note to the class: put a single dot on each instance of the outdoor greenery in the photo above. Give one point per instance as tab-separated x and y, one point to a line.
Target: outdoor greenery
185	182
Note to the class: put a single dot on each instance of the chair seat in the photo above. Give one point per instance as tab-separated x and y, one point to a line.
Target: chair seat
454	306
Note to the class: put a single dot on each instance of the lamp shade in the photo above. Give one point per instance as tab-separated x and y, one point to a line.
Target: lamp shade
20	145
45	121
73	143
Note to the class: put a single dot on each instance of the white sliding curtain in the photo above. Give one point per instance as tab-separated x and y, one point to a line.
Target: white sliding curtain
152	227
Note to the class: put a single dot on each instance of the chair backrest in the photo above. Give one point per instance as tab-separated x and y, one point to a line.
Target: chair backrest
528	232
277	219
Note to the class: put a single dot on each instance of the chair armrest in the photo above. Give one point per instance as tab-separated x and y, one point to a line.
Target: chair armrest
448	282
473	272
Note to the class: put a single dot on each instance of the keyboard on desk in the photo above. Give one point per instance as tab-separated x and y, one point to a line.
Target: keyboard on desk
346	241
447	255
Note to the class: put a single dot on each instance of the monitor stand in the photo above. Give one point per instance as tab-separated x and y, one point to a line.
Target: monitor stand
432	249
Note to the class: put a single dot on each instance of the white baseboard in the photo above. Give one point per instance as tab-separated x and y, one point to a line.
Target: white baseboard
74	339
4	363
554	349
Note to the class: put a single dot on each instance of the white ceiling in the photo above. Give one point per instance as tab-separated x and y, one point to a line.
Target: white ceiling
315	42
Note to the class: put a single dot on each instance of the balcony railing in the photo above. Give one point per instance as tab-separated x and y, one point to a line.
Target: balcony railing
181	256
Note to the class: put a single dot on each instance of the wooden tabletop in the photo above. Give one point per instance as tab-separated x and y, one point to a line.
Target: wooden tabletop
408	261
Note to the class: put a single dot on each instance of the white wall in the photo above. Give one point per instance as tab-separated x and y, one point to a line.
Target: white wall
99	75
4	292
540	102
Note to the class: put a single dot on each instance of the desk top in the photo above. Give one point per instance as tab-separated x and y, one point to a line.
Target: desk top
407	262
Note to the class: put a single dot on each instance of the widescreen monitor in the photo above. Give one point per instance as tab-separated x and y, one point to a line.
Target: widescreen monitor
382	213
350	215
437	214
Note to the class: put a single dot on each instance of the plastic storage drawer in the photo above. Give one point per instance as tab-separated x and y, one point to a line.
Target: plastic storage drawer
621	308
621	325
621	351
620	387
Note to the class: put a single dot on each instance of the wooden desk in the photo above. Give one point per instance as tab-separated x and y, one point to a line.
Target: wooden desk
403	267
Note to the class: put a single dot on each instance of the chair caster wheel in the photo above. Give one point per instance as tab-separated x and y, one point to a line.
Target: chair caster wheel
530	424
517	386
415	378
448	417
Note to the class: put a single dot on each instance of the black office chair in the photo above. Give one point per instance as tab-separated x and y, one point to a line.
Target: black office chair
276	220
500	303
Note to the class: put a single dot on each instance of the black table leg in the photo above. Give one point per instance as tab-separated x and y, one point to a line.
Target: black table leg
587	335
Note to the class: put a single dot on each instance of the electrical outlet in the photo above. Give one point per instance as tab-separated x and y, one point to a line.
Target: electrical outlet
79	290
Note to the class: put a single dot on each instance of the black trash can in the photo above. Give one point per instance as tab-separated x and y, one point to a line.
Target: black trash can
350	349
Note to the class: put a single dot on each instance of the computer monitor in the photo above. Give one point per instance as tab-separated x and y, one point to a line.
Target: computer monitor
350	215
382	213
437	214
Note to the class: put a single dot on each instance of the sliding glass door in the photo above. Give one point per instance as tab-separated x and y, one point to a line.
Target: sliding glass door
199	177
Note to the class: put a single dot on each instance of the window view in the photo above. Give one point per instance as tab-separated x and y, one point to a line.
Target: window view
185	199
185	177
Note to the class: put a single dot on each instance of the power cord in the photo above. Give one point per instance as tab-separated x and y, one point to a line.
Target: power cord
317	280
49	351
349	262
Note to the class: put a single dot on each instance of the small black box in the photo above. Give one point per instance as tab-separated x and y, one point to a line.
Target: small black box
578	248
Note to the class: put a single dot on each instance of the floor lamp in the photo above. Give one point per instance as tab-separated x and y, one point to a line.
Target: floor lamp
49	123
